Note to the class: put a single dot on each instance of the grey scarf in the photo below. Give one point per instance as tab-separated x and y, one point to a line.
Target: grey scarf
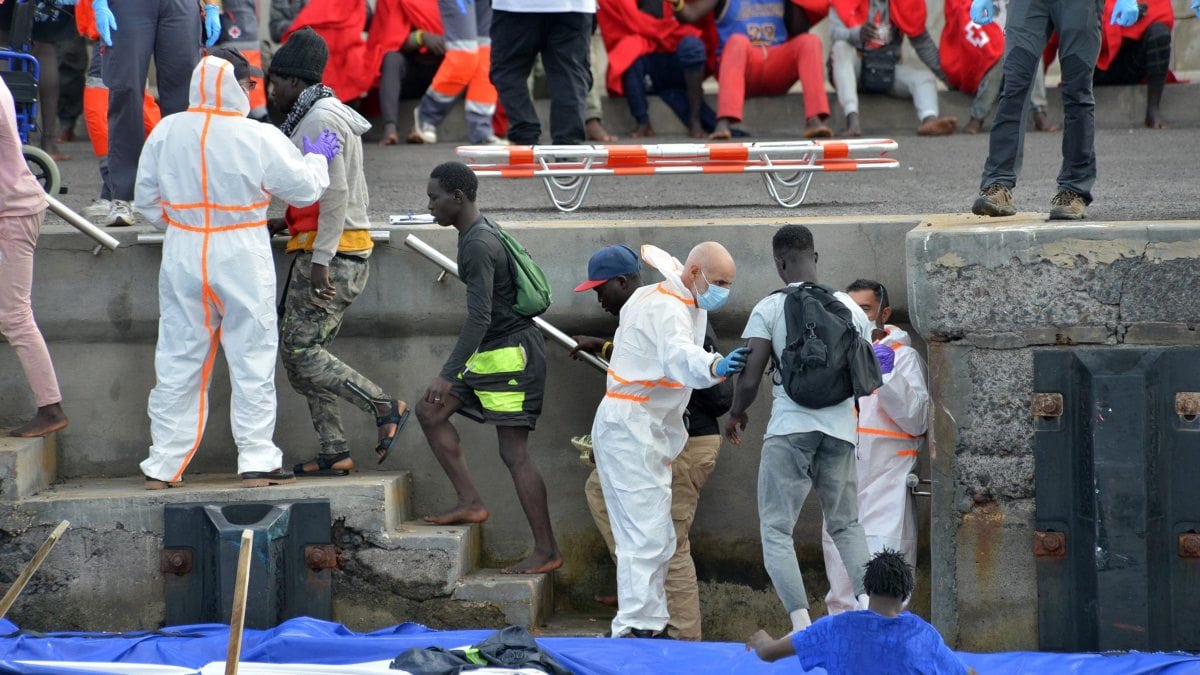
302	105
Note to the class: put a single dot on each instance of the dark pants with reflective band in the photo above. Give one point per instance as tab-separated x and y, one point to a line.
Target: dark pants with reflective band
562	38
307	332
504	381
1030	24
168	30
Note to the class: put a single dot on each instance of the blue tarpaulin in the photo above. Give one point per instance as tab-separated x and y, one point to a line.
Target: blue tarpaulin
310	641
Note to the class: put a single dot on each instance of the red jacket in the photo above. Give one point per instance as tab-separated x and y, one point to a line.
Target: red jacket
968	50
630	33
908	15
1159	11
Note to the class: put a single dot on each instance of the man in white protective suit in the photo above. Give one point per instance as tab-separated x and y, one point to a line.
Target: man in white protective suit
891	430
657	360
207	176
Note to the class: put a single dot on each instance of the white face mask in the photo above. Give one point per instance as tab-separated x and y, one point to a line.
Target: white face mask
712	299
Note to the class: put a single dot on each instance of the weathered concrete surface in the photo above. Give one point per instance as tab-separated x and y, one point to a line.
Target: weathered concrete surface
27	465
987	295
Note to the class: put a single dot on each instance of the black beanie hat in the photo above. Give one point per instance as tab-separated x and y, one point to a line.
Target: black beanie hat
303	55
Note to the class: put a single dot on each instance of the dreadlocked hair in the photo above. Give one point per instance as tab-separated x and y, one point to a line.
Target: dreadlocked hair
889	574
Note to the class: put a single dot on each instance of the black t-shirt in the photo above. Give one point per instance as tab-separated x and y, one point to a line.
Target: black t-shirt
485	267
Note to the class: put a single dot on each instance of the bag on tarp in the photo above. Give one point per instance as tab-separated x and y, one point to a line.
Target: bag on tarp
512	647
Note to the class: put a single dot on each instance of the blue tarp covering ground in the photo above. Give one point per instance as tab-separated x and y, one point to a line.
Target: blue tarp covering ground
321	642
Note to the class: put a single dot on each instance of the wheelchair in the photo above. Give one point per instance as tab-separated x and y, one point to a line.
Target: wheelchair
21	77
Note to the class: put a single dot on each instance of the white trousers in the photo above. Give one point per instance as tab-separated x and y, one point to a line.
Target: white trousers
912	82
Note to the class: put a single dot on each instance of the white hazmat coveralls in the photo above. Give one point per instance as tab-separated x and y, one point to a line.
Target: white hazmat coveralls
891	430
657	360
207	175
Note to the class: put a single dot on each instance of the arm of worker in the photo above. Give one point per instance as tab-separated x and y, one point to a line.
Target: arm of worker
298	179
478	273
694	11
331	219
147	198
904	395
716	400
592	345
927	50
769	649
838	30
681	358
745	390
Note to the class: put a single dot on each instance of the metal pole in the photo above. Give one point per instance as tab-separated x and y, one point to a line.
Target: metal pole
435	256
80	223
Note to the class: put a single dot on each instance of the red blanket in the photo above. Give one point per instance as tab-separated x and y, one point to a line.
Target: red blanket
908	15
1159	11
967	49
630	33
354	63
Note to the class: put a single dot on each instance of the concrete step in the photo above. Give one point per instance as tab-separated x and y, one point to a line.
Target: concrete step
422	561
577	625
370	503
783	116
526	599
27	465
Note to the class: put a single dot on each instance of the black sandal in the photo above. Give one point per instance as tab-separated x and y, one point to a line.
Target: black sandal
394	417
325	466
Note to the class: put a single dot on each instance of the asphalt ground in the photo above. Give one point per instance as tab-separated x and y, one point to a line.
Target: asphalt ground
1144	175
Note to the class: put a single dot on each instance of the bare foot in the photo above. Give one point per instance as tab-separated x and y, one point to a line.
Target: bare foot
696	131
606	600
937	126
1041	122
390	135
461	515
815	128
974	126
538	563
853	129
722	131
1153	121
49	418
642	131
596	132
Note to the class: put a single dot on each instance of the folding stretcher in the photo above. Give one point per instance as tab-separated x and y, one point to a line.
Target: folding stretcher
787	167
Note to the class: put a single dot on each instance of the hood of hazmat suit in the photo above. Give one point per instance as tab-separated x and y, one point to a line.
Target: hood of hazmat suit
206	175
657	360
891	431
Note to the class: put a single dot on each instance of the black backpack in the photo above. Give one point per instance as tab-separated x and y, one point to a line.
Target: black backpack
825	360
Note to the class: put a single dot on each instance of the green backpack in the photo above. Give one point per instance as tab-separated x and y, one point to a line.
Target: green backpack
533	290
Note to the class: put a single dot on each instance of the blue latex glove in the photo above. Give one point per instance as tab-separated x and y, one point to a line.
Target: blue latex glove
733	363
106	23
66	3
982	12
1125	13
326	145
212	24
886	356
1196	8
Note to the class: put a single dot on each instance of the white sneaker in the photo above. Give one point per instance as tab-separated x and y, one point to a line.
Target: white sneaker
98	209
495	140
120	215
422	132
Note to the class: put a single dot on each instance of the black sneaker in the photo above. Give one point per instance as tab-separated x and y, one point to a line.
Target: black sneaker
646	633
1067	205
994	200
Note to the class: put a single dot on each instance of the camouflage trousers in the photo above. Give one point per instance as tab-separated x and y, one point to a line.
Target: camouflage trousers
307	330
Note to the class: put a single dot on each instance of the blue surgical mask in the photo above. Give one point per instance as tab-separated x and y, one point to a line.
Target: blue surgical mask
712	299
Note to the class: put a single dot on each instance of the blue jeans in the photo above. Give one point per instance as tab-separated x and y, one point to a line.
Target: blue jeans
666	74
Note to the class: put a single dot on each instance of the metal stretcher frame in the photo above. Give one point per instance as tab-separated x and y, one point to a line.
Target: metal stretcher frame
787	167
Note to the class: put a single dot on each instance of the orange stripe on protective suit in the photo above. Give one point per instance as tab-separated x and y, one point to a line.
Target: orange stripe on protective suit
645	383
95	117
627	397
885	432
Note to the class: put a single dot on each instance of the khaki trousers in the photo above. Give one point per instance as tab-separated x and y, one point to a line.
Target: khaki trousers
689	472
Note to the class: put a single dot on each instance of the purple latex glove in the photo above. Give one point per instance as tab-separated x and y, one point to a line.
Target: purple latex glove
326	145
886	357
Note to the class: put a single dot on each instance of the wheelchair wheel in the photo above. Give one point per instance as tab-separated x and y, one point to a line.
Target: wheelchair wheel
43	167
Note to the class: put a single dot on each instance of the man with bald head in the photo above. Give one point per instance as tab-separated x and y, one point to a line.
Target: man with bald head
657	359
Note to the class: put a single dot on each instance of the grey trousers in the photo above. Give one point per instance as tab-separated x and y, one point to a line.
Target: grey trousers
1030	23
562	40
984	103
789	468
168	30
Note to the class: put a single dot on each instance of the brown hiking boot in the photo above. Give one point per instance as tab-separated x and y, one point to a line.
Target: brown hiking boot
1067	205
994	200
937	126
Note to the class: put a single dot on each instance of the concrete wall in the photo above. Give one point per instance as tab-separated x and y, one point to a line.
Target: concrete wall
99	315
987	295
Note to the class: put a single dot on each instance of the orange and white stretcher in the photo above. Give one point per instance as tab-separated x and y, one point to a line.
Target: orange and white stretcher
787	167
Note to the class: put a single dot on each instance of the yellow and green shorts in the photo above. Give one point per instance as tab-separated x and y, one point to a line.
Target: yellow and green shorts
504	380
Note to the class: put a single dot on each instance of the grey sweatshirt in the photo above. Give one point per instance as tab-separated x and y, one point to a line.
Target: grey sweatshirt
923	44
344	204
